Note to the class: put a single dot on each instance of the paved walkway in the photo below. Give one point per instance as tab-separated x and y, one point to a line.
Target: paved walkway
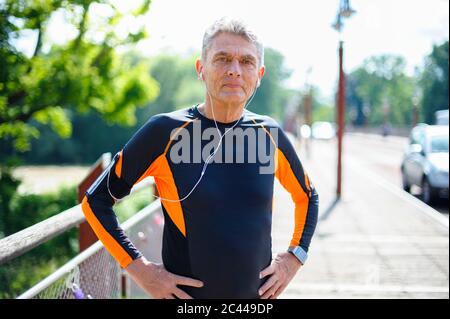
376	242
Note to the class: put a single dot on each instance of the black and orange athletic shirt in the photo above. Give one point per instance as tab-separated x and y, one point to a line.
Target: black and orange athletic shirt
221	233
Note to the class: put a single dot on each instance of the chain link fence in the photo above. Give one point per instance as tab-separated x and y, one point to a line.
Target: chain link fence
95	274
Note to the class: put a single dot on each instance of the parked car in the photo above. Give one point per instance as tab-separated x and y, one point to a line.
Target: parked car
323	130
441	117
426	162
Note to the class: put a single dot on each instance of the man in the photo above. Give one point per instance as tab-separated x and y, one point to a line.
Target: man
217	230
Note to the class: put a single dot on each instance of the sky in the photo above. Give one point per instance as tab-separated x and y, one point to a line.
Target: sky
301	30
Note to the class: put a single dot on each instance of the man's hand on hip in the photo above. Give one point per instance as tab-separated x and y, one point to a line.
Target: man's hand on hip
282	269
155	280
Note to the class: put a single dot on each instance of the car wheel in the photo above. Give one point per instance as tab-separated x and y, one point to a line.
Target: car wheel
405	184
427	191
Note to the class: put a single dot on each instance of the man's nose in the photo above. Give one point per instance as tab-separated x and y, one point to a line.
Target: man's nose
234	68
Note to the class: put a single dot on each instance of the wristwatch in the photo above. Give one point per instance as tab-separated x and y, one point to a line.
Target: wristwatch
299	252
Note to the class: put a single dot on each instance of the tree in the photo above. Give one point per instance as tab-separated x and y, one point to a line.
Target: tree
48	88
321	108
434	82
178	88
178	81
85	74
271	97
381	87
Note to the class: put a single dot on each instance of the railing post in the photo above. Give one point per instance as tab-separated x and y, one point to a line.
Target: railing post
86	236
124	287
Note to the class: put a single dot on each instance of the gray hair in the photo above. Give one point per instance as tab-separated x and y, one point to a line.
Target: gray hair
233	26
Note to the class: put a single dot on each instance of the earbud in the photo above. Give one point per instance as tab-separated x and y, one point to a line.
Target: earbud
200	76
258	83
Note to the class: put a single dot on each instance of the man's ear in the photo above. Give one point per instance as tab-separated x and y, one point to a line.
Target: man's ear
199	68
261	72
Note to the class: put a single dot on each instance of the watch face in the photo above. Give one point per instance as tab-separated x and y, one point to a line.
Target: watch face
299	253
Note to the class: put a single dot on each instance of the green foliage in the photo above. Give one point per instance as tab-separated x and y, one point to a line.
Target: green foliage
133	203
8	188
84	74
49	88
34	208
434	82
58	119
322	111
191	91
382	86
179	87
272	97
20	212
23	272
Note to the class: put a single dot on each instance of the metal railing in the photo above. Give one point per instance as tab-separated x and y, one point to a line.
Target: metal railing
93	273
21	242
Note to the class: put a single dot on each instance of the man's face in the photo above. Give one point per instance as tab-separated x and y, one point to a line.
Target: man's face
231	68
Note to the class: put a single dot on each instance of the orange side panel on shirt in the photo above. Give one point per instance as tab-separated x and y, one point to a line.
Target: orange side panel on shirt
108	241
119	166
165	184
287	178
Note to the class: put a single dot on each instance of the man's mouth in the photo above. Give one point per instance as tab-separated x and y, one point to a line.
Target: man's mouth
233	86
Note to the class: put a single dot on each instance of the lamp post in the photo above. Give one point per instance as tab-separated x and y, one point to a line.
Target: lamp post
344	11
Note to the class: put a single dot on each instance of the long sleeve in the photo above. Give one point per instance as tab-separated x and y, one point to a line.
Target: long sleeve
290	173
133	163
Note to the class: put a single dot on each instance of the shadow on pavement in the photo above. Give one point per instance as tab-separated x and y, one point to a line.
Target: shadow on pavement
331	206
